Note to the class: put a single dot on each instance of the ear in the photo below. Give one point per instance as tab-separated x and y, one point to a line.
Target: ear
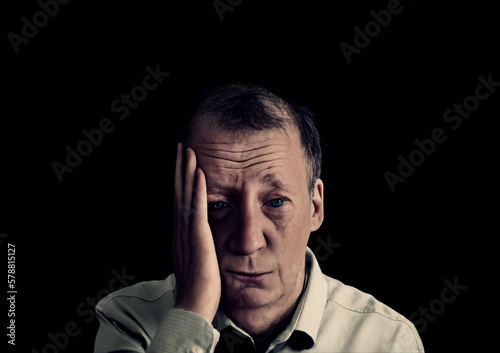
317	206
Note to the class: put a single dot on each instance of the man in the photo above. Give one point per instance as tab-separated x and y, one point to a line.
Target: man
247	197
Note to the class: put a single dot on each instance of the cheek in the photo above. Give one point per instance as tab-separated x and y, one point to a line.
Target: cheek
291	266
295	225
291	245
280	219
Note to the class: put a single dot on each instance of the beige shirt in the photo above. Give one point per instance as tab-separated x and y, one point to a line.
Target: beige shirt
330	317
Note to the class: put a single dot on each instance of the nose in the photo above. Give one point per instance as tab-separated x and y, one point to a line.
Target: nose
248	236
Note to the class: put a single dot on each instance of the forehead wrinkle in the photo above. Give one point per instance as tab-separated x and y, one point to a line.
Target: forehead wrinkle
232	144
270	179
233	176
240	160
205	146
229	160
242	157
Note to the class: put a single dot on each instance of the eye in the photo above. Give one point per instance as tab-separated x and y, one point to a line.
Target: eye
276	202
217	205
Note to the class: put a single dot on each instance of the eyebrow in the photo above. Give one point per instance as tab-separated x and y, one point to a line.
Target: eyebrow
217	187
272	179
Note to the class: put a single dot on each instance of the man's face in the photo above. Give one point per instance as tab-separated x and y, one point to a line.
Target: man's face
260	212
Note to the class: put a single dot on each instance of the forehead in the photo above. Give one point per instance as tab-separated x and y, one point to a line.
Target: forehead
268	157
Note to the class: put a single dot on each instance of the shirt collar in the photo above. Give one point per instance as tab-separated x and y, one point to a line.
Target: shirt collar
304	326
309	313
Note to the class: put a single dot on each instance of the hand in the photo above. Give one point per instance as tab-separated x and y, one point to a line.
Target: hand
198	283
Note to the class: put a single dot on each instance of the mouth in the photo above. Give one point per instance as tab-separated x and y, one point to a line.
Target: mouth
250	277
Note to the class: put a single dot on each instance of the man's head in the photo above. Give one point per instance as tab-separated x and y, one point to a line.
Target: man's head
261	157
240	108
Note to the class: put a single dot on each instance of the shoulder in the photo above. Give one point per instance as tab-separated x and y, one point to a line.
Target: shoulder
141	302
353	299
146	292
369	316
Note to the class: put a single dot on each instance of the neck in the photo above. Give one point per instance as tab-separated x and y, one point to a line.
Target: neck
264	339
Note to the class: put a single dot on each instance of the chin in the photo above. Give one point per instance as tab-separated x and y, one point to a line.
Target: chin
247	298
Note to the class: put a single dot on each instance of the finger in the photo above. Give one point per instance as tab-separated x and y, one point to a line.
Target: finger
200	197
178	184
203	236
187	197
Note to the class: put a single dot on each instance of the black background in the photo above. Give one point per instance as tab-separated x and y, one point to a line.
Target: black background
114	210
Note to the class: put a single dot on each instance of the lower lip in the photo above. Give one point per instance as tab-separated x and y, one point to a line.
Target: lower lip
251	279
